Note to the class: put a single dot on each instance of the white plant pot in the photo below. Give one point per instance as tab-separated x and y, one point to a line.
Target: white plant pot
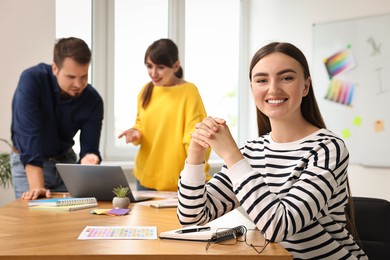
122	203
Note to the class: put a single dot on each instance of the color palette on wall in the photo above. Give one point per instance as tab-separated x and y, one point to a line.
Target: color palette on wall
340	62
340	91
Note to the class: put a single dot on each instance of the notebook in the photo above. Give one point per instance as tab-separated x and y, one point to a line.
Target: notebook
58	202
65	208
96	181
231	223
203	233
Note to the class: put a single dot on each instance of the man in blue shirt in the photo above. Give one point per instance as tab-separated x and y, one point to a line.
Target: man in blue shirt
50	105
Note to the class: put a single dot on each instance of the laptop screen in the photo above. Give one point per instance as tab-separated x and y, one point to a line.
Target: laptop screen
94	180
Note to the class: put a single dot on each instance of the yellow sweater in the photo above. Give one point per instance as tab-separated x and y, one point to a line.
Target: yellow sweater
165	127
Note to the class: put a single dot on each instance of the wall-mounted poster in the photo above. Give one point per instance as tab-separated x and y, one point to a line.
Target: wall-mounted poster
350	63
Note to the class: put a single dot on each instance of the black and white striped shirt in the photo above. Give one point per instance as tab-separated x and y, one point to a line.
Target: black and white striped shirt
294	192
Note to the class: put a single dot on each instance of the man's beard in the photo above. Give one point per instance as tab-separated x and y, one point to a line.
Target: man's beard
65	95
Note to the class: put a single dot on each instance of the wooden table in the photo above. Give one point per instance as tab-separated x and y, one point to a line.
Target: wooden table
27	234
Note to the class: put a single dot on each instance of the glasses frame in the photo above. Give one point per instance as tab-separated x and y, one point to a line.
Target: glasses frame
238	238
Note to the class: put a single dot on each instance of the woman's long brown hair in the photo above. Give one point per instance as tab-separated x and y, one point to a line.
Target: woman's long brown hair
161	52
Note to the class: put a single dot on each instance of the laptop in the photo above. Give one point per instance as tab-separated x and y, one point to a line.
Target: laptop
97	181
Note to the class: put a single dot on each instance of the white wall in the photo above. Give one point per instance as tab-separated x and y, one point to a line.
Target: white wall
292	21
27	31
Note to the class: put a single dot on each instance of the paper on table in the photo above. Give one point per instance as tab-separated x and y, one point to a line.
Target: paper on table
118	232
157	194
233	218
165	203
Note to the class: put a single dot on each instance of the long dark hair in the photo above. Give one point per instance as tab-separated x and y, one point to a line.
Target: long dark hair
309	109
162	52
309	106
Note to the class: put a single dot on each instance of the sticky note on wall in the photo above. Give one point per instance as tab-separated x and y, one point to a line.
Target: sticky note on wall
357	121
346	133
379	126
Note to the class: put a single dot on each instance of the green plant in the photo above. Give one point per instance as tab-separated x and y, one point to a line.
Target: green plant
5	167
120	191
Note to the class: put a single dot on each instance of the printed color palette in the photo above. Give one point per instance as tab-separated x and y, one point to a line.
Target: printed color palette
340	91
118	232
339	62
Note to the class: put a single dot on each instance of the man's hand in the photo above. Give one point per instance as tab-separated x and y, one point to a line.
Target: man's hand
90	158
36	183
36	193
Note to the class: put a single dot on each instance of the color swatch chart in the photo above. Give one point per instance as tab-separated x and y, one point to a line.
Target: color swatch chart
340	62
118	232
340	91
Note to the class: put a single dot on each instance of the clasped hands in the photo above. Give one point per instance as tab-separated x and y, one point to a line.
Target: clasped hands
214	133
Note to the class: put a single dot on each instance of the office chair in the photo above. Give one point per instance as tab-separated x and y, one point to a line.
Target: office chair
372	220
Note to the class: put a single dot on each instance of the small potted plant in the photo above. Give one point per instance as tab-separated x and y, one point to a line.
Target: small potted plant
121	200
5	167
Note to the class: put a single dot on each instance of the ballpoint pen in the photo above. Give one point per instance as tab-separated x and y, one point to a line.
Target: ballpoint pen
191	230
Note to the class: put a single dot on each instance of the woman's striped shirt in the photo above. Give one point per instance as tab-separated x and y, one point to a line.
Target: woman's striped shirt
294	192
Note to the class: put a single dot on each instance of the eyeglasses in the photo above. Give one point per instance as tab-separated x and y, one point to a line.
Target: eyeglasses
252	237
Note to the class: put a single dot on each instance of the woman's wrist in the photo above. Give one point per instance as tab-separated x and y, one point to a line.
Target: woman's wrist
194	161
196	158
233	158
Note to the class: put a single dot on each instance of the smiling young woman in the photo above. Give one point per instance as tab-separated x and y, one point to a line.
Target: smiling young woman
292	180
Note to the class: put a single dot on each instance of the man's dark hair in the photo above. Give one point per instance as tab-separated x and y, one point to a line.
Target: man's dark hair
71	47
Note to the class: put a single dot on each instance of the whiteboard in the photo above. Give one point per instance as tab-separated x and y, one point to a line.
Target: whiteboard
350	73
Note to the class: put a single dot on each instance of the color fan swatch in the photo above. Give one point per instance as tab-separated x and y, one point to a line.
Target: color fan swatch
339	62
340	91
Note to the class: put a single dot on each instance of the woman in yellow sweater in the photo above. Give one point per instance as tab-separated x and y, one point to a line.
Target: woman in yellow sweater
168	109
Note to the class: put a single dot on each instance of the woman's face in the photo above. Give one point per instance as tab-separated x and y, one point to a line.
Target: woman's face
278	86
161	75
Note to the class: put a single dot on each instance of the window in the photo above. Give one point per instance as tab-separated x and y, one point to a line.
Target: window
207	33
73	19
211	55
137	25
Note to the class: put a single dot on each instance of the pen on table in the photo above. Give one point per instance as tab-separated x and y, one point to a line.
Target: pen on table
191	230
